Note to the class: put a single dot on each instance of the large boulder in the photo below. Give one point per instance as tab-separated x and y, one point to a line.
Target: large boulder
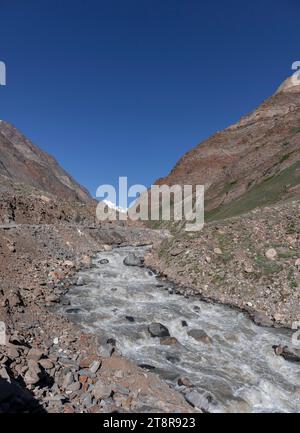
158	330
290	354
133	260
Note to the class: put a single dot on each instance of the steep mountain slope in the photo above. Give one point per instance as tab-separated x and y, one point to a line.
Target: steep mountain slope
24	163
248	253
252	163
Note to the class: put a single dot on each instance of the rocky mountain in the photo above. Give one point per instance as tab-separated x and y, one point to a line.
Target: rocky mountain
252	163
23	163
248	252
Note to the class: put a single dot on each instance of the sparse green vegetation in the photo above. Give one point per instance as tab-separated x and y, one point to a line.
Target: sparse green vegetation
266	266
295	130
269	191
291	278
285	157
228	186
286	255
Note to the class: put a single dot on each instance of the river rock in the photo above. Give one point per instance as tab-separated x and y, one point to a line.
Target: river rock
12	352
35	354
184	381
271	254
101	391
68	264
168	341
86	260
68	380
218	251
105	350
133	260
75	386
261	319
15	299
200	335
81	281
52	299
197	400
290	354
94	367
176	251
73	310
31	377
34	366
158	330
173	358
46	364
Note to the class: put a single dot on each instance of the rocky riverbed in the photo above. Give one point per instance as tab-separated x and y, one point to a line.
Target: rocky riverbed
47	363
215	356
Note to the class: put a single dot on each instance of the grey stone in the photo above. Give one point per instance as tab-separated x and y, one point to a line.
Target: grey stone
133	260
68	380
94	367
34	366
102	391
75	386
158	330
31	377
261	319
13	352
67	362
35	354
105	350
46	364
86	400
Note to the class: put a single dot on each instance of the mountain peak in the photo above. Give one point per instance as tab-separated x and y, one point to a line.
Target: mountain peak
251	163
291	84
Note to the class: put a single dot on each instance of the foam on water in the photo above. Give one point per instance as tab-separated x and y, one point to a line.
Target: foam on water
238	372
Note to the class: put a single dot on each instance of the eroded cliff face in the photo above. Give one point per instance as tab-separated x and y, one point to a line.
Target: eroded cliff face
251	163
24	163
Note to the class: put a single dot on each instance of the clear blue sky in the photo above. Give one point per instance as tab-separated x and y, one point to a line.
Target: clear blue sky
125	87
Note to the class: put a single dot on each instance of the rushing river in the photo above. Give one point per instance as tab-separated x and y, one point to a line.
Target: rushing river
237	372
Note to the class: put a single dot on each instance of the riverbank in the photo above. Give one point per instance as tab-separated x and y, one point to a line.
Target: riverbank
48	363
51	364
249	262
217	358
